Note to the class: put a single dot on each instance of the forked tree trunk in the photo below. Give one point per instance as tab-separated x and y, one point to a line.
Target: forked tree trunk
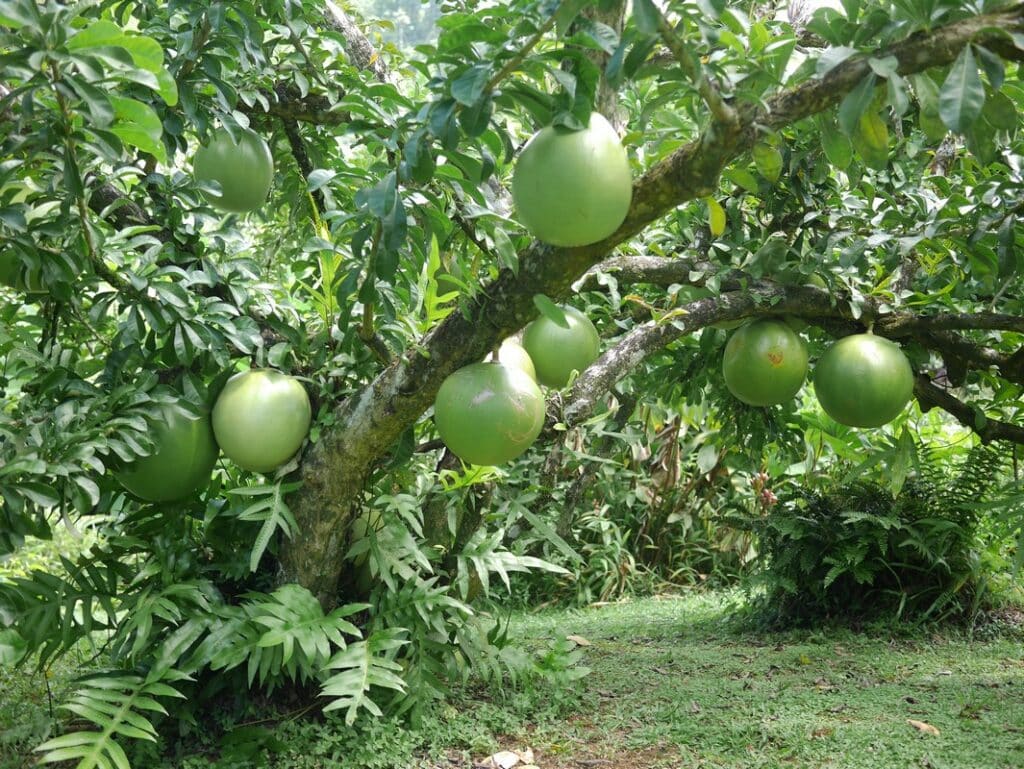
335	471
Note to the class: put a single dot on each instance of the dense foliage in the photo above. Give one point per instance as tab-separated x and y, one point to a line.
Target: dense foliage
860	550
854	170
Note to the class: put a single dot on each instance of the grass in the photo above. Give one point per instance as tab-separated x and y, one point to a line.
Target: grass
674	684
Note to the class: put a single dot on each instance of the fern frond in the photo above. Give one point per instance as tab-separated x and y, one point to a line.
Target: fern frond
363	666
272	511
115	703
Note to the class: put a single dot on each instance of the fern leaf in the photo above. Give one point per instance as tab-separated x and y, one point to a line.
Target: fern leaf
110	702
363	666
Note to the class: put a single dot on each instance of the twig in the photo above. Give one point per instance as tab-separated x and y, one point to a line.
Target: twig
708	90
523	52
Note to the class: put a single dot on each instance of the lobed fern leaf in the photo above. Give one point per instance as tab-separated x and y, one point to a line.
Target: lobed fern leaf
363	666
115	703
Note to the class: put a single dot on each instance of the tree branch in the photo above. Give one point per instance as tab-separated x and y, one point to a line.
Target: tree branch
361	52
335	469
708	90
930	395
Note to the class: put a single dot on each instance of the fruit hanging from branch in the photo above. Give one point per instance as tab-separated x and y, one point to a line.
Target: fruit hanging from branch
489	413
863	380
557	351
572	188
765	363
261	419
243	169
181	463
511	353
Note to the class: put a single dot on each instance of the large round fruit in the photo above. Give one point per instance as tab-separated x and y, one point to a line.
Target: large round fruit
765	363
261	418
243	170
571	188
181	463
556	352
863	381
511	353
489	413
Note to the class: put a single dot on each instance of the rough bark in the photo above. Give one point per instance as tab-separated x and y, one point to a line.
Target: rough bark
335	470
930	395
361	52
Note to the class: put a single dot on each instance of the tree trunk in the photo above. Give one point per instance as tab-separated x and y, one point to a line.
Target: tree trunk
335	471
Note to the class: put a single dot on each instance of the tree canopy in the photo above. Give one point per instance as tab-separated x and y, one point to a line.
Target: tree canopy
850	170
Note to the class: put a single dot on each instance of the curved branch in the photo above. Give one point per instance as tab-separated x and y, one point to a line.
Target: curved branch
335	469
903	323
655	270
633	347
930	395
642	341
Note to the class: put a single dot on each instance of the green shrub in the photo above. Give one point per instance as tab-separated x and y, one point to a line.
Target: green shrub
858	551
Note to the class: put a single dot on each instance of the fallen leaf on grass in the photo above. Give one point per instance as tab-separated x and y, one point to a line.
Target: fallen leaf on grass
921	726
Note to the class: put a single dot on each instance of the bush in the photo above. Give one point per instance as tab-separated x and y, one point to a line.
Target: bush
859	551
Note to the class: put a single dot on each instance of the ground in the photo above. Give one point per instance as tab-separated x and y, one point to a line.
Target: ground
673	683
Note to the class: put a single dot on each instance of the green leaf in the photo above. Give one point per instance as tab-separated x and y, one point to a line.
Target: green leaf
145	53
716	217
566	14
837	146
832	58
993	66
15	15
884	67
1001	112
768	160
469	86
871	140
138	125
550	310
742	178
962	95
897	91
646	16
856	104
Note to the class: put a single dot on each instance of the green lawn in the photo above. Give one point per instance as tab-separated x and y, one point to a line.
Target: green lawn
672	685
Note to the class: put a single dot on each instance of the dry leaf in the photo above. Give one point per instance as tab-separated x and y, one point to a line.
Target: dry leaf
578	640
921	726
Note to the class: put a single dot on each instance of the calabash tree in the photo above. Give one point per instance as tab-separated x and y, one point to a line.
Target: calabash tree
856	170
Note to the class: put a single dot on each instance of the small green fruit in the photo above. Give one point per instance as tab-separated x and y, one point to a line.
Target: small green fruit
184	455
261	419
863	381
556	352
244	170
765	363
511	353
